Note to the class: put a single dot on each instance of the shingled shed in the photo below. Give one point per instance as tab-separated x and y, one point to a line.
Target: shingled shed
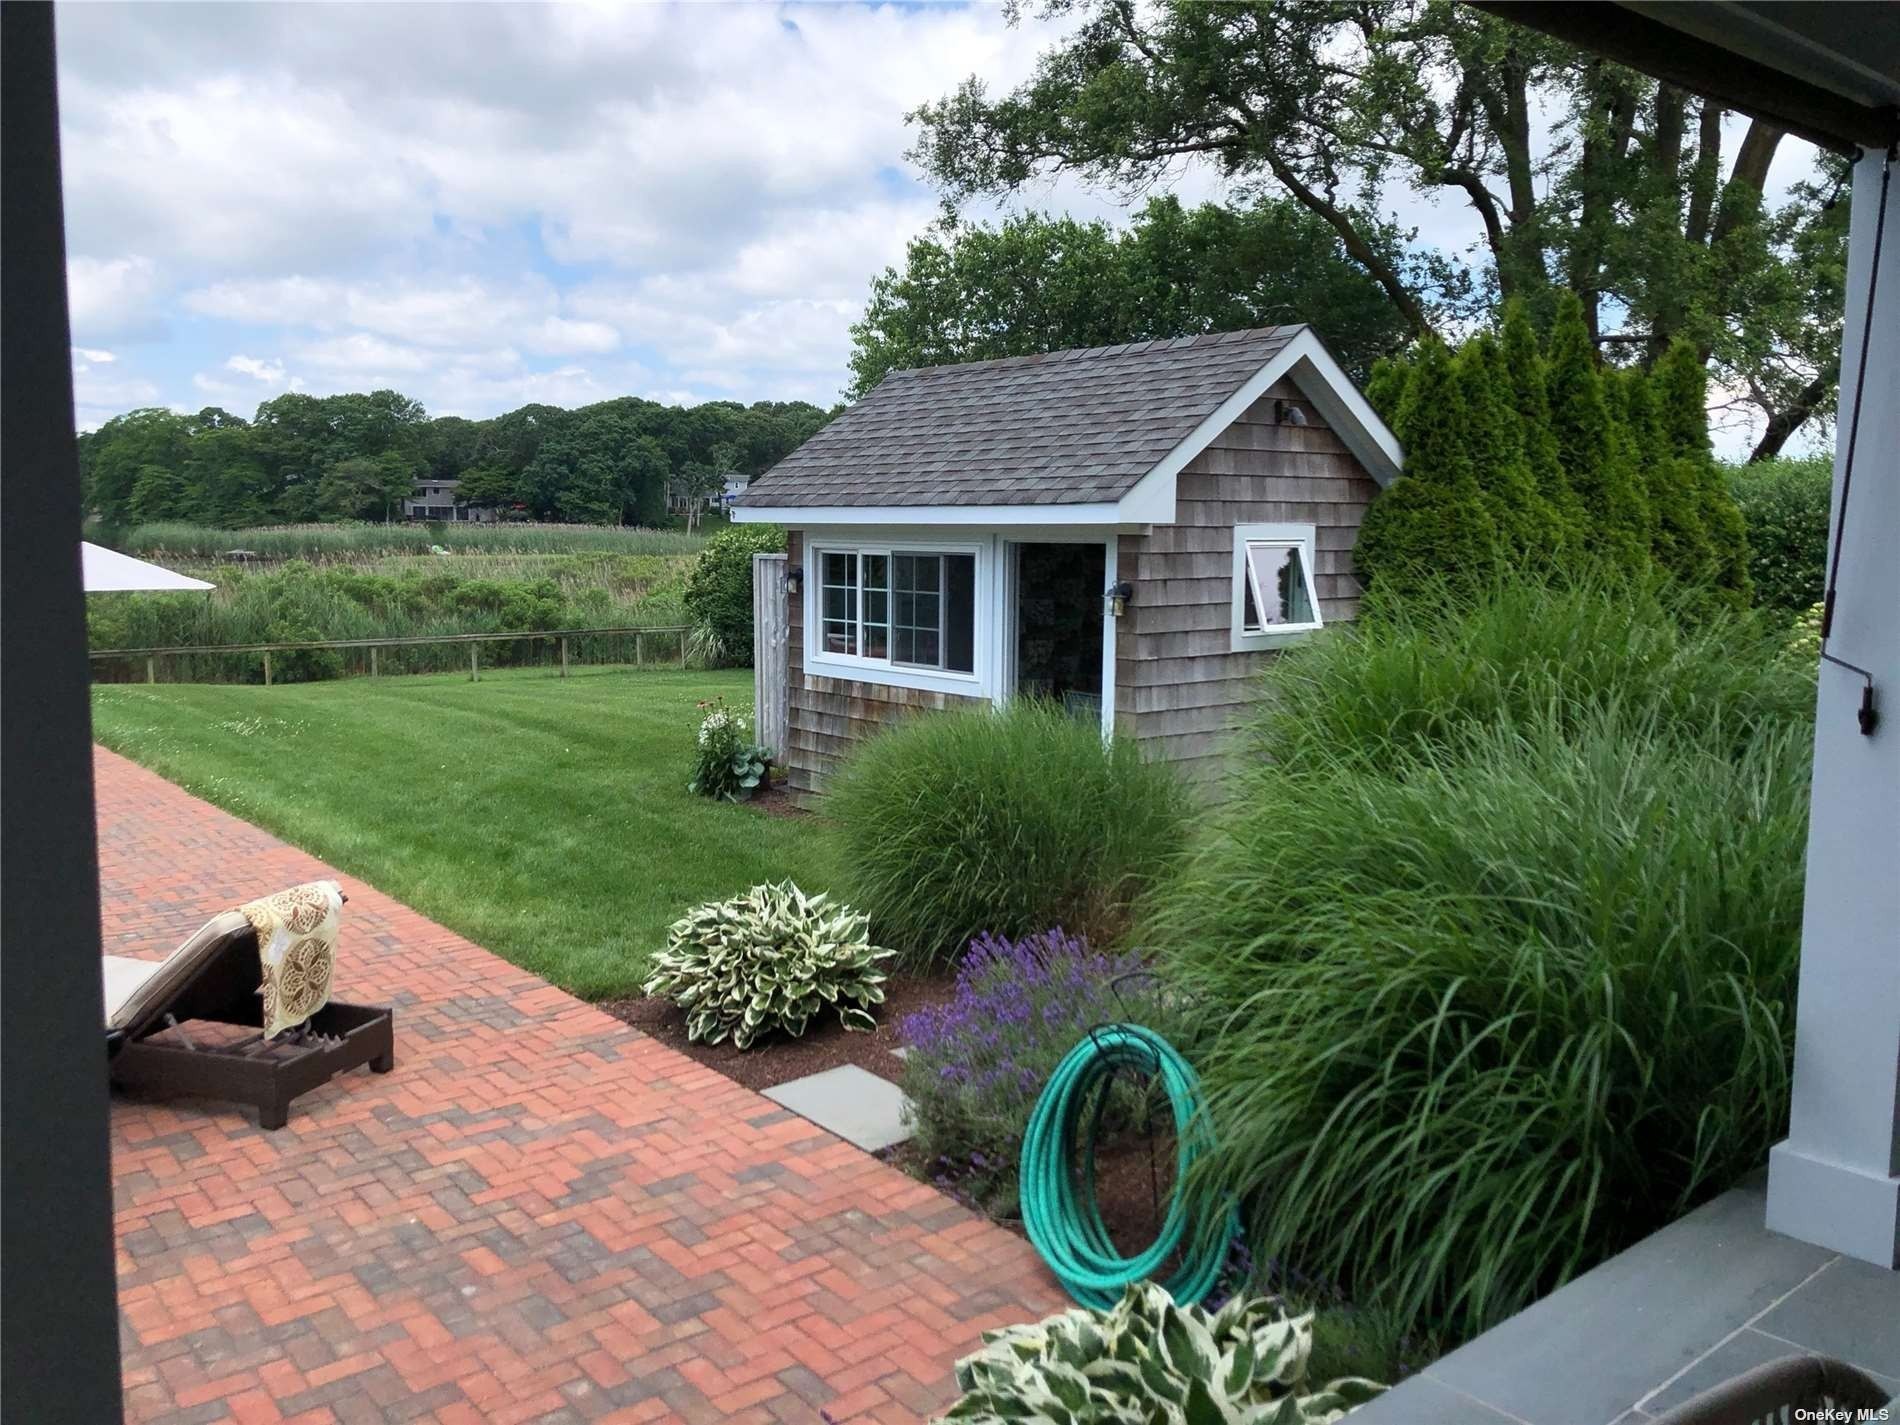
1130	530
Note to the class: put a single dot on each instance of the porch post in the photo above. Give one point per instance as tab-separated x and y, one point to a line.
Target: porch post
1835	1181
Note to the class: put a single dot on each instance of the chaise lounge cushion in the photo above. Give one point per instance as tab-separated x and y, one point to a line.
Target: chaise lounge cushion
134	988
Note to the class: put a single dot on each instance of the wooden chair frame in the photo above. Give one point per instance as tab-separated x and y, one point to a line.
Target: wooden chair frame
267	1074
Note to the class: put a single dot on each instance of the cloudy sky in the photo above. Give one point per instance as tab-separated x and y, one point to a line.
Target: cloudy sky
484	205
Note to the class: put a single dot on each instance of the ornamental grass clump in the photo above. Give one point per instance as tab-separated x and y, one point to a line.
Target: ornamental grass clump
979	1060
768	962
1148	1359
953	824
1497	950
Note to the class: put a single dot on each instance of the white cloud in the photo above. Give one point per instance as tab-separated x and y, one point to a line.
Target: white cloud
112	298
486	204
269	372
93	355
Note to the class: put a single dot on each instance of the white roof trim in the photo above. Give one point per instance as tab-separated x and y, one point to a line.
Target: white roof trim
1304	360
985	515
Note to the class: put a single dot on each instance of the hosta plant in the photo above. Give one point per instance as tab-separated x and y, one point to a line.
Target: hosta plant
727	763
1148	1359
767	962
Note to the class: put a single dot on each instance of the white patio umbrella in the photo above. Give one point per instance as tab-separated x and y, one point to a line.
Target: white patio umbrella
109	572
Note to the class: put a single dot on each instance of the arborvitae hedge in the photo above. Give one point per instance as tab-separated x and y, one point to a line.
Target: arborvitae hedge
1385	387
1524	363
1682	418
1570	463
1677	537
1616	525
1496	443
1430	528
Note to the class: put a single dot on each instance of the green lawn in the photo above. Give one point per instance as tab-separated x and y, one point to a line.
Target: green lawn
546	819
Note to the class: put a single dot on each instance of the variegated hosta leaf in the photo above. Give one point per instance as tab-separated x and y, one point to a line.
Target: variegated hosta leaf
767	962
1146	1359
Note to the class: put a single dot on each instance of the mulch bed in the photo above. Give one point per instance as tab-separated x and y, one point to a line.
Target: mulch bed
824	1045
775	799
1124	1187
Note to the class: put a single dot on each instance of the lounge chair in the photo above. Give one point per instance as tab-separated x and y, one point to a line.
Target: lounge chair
1792	1388
215	976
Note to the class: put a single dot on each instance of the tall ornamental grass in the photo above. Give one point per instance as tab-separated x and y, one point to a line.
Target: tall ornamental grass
954	824
1409	676
298	602
1496	958
354	540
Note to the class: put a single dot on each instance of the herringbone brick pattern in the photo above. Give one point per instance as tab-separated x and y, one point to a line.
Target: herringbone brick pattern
540	1215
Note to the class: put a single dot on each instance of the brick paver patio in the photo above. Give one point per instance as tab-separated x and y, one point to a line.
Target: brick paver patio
540	1215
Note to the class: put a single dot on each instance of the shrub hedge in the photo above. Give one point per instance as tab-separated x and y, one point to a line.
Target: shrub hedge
719	590
1785	506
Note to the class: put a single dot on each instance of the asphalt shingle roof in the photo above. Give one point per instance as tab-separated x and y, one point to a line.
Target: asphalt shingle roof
1067	427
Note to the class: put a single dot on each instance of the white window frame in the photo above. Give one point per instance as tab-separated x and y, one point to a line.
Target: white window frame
822	663
1305	538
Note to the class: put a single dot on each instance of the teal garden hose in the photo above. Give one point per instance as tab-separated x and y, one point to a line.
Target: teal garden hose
1066	1225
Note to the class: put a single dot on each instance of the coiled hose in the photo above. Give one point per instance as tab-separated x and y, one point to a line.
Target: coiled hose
1066	1226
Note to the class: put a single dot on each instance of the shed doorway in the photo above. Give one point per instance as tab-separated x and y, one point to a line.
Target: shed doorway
1058	634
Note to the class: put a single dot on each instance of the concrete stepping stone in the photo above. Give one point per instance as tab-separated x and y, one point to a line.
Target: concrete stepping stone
853	1103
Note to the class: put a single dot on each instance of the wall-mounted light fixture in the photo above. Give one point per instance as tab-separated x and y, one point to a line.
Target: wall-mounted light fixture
1289	414
1116	596
794	581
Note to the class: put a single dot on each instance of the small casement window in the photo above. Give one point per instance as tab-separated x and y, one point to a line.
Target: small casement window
904	608
1274	592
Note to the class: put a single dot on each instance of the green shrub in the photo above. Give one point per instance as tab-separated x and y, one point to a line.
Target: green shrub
1526	523
727	763
766	962
1523	359
1784	506
1804	637
1682	417
719	590
1008	821
1615	526
1432	526
1498	947
1148	1359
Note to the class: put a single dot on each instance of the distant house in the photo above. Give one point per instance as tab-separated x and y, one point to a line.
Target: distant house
1131	530
436	500
680	501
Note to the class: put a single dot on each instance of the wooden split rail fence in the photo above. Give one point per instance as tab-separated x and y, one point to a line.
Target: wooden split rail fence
473	640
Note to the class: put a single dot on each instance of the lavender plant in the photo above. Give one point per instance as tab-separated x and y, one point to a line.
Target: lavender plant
979	1060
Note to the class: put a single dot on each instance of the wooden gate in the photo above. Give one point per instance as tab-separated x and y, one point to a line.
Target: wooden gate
770	633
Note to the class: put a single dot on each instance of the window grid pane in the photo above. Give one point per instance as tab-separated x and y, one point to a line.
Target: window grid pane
917	609
876	617
838	606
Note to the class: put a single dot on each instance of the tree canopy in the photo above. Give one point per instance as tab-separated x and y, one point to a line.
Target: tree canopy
1041	283
356	456
1634	197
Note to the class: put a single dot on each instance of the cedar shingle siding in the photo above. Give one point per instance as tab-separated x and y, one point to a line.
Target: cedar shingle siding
1083	427
1178	688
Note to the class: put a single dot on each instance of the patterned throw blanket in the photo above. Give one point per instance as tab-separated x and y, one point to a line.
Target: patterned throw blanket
296	943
